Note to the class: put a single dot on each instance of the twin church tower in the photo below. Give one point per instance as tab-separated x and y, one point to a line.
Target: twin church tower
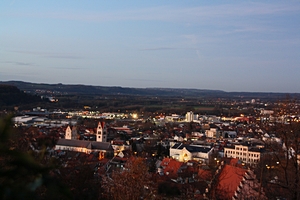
101	133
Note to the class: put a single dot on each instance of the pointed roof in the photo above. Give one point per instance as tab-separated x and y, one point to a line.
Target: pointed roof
68	129
191	148
229	179
101	124
171	166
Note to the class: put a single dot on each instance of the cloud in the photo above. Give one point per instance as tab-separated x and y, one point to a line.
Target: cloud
20	63
63	56
144	80
159	49
170	13
166	48
68	68
50	54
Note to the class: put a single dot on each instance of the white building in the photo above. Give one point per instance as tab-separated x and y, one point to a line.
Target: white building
266	112
84	146
184	152
190	117
174	118
70	143
212	133
246	154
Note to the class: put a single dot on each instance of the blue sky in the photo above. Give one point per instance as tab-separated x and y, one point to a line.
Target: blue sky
223	45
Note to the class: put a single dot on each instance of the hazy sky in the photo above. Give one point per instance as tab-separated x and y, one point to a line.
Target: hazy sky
223	45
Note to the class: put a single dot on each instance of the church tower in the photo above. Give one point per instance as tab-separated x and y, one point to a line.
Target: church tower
101	135
74	133
68	134
71	134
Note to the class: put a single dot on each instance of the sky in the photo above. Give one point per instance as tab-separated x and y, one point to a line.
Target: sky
241	46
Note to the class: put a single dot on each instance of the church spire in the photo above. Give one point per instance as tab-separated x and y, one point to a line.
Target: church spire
101	135
68	134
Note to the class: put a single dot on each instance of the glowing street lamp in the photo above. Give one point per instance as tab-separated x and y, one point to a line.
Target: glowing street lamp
134	115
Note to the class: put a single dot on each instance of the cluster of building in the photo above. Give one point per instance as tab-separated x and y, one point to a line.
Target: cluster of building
194	143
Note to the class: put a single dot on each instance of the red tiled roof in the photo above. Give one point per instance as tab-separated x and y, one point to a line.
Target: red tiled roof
204	174
229	180
234	161
171	166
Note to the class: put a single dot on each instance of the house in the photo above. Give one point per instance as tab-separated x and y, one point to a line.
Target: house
238	183
169	167
213	133
119	146
184	152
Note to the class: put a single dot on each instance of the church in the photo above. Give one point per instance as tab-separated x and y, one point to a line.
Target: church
71	143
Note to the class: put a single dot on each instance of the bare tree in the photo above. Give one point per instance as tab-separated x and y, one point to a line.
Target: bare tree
130	183
279	168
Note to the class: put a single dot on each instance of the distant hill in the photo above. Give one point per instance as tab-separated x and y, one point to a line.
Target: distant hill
42	88
63	89
10	95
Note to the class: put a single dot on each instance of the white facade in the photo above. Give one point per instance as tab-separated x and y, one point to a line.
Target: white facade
183	153
171	118
83	146
243	153
71	134
101	135
211	133
266	112
190	117
73	148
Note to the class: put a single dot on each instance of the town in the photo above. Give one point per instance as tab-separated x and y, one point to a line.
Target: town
149	100
253	151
